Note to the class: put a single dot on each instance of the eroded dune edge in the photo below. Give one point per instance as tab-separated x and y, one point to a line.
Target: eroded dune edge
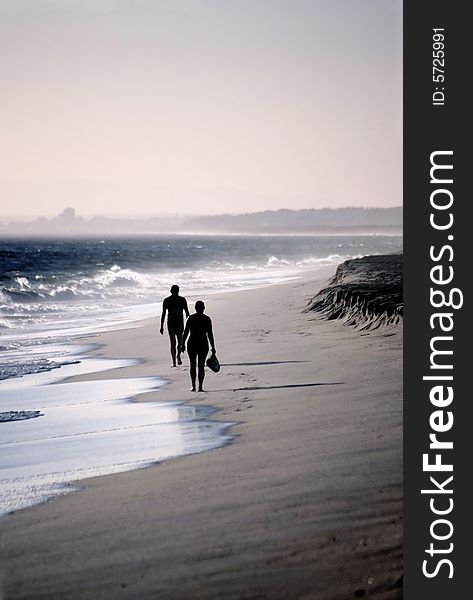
364	292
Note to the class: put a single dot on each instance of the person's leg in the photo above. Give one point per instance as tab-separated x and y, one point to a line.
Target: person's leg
179	334
201	364
193	363
172	338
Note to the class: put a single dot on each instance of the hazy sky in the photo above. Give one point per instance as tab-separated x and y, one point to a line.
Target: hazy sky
196	106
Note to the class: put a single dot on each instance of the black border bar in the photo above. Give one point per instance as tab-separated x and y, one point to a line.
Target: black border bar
432	128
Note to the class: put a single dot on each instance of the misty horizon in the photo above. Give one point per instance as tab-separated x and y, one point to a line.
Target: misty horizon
166	215
282	221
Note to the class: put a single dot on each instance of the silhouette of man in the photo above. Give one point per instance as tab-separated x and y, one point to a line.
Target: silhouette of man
175	306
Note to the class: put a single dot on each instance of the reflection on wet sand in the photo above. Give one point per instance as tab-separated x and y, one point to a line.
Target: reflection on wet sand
91	428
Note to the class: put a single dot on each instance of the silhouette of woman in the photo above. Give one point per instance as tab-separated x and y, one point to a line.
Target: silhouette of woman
199	330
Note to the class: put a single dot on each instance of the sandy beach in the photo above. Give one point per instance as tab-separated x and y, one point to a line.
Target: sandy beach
304	503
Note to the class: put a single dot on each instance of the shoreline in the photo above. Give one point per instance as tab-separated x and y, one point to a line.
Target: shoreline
88	352
66	338
86	428
88	362
271	513
102	344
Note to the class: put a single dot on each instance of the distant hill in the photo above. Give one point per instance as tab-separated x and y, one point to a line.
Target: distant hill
284	221
302	221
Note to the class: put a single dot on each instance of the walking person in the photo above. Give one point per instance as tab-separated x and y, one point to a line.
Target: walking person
199	330
175	306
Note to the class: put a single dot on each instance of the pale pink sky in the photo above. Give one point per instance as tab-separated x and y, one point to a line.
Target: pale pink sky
199	106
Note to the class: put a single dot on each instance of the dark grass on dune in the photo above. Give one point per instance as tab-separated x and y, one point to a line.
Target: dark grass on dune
364	292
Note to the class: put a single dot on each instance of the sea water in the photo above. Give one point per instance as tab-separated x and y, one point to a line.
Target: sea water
86	429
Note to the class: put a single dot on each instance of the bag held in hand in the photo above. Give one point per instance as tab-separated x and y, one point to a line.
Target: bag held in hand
213	363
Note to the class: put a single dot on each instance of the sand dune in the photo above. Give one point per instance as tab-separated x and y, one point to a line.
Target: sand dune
364	292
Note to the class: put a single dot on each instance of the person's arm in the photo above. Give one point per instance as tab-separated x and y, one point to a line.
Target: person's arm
186	309
210	334
184	336
163	316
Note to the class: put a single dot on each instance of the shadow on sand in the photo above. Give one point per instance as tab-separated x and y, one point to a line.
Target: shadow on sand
258	364
276	387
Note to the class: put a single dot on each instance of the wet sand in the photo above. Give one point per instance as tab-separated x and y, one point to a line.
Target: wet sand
305	503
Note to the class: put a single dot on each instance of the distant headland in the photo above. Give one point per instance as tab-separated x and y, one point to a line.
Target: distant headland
350	220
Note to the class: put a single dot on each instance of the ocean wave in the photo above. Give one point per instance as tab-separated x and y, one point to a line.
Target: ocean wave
118	277
331	259
5	324
48	295
85	287
274	261
22	296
